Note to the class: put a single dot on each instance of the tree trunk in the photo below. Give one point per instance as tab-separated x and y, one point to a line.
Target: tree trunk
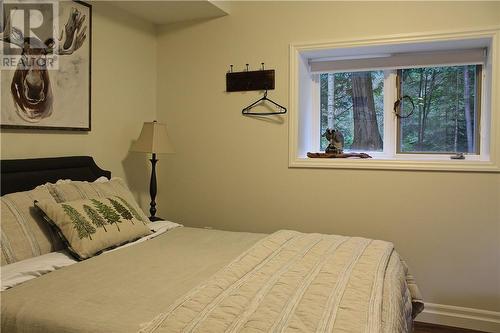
420	106
468	118
420	143
330	101
428	100
366	133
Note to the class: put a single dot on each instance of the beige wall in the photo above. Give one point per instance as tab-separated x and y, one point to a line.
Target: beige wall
123	97
231	172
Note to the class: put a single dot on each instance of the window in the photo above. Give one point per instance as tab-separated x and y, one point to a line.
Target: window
446	113
442	120
353	103
439	114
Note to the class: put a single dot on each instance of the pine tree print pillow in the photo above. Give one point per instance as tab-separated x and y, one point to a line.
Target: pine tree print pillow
77	190
91	226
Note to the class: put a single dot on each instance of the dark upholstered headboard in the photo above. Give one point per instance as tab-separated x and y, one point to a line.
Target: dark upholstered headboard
26	174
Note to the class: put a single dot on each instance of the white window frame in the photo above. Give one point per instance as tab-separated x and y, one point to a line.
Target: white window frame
304	111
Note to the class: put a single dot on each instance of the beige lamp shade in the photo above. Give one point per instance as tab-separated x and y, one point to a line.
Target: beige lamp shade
153	139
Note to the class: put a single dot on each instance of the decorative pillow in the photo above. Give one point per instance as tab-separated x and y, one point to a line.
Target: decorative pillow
90	226
78	190
24	233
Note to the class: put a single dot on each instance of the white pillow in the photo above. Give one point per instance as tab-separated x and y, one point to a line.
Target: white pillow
101	179
28	269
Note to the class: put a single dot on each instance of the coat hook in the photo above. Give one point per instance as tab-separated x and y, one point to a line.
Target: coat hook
247	67
262	65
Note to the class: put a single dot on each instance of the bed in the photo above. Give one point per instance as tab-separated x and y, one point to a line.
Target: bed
190	279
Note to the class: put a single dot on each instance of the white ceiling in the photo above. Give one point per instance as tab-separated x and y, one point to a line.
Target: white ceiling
165	12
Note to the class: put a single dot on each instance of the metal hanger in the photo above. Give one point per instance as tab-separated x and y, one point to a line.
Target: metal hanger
246	110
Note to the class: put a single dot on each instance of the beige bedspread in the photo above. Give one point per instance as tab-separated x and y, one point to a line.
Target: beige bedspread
295	282
118	291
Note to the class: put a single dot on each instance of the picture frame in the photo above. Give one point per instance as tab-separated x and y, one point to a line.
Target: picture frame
68	89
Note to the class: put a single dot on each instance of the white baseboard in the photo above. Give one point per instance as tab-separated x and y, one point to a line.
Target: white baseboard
481	320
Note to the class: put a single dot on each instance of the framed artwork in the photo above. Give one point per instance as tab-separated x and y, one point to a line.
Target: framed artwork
46	76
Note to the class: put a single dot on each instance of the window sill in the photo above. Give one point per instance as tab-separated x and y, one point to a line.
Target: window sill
393	164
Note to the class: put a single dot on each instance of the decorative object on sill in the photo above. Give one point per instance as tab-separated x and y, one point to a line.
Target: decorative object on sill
397	107
343	155
250	80
51	88
458	156
246	110
153	139
336	141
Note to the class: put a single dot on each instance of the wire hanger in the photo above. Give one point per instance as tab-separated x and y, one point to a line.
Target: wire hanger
246	110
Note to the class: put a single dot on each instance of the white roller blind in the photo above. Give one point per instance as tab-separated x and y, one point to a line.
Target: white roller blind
475	56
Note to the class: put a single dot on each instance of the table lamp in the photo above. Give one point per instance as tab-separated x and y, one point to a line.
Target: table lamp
153	139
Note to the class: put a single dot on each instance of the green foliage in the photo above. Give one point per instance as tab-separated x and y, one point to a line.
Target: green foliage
121	210
439	123
132	210
94	216
109	213
80	223
445	117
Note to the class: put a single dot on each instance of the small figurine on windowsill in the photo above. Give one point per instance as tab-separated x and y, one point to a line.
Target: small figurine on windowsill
336	141
335	147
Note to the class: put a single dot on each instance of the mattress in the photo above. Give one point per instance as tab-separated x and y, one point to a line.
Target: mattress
123	291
